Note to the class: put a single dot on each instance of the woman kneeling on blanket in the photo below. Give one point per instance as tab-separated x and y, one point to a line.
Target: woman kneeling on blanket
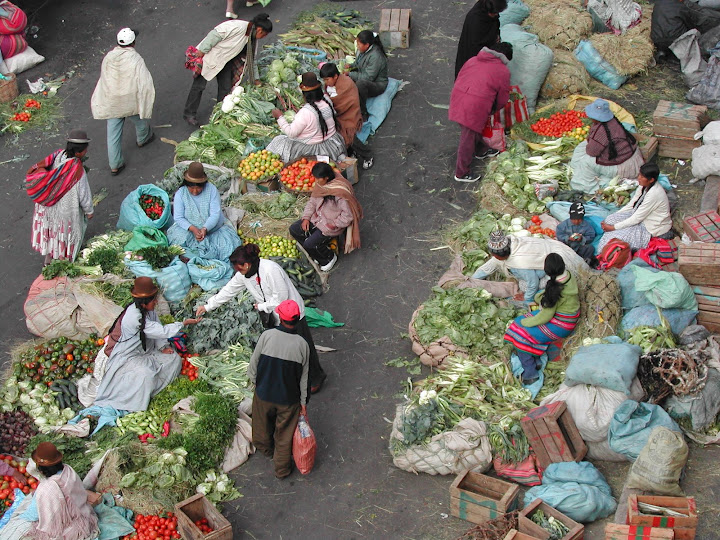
532	333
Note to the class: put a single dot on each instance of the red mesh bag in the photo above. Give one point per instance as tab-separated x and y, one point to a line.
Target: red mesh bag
304	446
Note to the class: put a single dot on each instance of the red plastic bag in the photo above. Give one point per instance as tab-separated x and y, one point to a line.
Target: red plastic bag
494	135
304	446
527	472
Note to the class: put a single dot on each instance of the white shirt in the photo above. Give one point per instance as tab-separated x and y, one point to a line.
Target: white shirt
270	286
653	212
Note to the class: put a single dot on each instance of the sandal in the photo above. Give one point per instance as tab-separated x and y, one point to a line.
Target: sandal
117	171
366	164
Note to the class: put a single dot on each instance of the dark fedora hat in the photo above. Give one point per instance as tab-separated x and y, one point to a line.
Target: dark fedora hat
78	136
309	82
195	173
47	455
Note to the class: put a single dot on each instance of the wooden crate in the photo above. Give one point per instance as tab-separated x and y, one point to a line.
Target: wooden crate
528	526
675	125
349	169
479	498
553	435
683	527
395	28
650	148
699	262
514	534
615	531
708	299
703	227
198	507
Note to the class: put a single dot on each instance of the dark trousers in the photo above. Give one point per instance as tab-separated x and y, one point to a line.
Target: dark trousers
360	150
529	364
316	375
224	82
314	241
273	427
471	142
368	89
586	251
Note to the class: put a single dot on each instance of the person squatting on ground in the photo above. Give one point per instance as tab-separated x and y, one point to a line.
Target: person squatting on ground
269	285
481	88
226	52
279	370
370	69
125	90
578	233
331	211
532	333
63	201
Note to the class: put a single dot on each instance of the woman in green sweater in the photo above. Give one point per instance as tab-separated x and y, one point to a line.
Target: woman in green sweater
532	333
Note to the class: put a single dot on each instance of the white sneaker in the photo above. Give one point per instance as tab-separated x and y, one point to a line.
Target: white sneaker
329	266
469	178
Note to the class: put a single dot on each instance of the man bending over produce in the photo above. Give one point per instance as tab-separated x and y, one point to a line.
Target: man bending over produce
524	258
279	370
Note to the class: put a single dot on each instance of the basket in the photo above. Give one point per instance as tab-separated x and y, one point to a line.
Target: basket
9	88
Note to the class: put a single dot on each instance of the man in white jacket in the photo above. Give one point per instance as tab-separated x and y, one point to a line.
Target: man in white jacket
125	90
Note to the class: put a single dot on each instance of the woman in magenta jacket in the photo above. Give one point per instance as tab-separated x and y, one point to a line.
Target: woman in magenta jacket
481	87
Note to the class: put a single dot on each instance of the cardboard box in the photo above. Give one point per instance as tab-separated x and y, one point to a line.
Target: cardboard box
615	531
479	498
198	507
703	227
528	526
395	28
683	527
699	263
553	435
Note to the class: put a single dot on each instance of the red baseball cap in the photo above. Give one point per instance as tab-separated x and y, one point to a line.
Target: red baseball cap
288	310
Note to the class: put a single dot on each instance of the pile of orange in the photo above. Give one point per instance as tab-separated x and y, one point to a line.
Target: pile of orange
260	165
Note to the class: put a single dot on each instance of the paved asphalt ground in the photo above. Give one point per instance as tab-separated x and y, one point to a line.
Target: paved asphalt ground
354	490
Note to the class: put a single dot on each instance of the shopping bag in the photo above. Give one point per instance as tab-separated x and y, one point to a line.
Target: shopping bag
304	446
514	111
494	135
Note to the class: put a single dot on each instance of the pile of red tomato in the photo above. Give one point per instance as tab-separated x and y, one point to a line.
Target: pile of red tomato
537	228
298	176
187	368
9	484
154	527
32	104
22	117
204	526
559	123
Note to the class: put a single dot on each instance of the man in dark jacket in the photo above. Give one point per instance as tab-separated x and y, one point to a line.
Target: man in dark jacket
279	370
480	29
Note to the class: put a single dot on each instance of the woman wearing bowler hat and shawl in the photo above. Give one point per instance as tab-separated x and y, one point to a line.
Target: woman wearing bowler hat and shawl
141	362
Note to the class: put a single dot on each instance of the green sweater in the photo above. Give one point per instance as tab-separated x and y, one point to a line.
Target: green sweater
569	303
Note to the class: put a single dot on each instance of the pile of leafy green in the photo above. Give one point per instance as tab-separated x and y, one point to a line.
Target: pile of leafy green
207	438
158	257
234	322
109	259
474	233
421	422
115	240
60	268
72	448
471	318
276	205
173	178
180	388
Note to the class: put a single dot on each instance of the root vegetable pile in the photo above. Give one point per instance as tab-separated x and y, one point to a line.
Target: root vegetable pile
559	123
298	176
16	429
260	165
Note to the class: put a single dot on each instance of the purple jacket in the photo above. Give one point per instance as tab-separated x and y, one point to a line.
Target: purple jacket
481	87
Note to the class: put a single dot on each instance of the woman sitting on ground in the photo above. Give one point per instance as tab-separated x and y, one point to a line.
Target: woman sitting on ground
344	95
62	505
370	69
610	143
200	226
331	210
313	132
141	361
647	214
532	333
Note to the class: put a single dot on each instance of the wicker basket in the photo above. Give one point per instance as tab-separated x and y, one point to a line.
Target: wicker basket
9	88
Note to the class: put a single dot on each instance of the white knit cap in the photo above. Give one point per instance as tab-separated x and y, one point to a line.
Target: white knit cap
126	36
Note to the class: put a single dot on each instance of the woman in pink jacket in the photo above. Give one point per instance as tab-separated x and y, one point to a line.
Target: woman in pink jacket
313	132
481	87
331	210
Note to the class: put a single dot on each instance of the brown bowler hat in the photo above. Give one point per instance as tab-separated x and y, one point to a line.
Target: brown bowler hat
78	136
196	173
309	82
46	454
144	287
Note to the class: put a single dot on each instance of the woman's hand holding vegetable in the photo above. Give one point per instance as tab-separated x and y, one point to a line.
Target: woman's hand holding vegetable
276	113
90	216
201	310
606	227
519	296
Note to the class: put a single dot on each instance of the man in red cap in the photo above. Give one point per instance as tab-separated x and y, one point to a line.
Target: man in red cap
279	370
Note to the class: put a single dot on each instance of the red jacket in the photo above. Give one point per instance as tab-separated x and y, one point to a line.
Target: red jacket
481	87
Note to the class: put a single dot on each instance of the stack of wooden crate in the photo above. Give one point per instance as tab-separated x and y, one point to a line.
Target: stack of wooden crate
699	263
675	125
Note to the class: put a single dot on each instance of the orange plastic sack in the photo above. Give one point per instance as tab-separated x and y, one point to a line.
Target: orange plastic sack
304	446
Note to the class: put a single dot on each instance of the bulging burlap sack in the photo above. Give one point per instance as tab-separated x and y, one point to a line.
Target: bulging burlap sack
435	353
660	463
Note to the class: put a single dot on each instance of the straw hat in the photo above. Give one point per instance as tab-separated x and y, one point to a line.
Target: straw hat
196	173
46	454
144	287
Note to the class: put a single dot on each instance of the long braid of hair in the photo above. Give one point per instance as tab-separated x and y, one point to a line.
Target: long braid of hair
554	267
141	304
321	118
250	55
332	110
612	151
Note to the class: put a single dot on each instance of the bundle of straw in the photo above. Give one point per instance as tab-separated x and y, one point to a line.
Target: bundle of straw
630	53
567	76
560	25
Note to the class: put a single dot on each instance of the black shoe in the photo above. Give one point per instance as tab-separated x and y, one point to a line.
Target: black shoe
192	121
490	152
593	262
117	171
528	382
150	139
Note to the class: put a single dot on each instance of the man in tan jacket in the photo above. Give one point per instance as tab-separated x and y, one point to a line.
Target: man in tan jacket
125	90
226	51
